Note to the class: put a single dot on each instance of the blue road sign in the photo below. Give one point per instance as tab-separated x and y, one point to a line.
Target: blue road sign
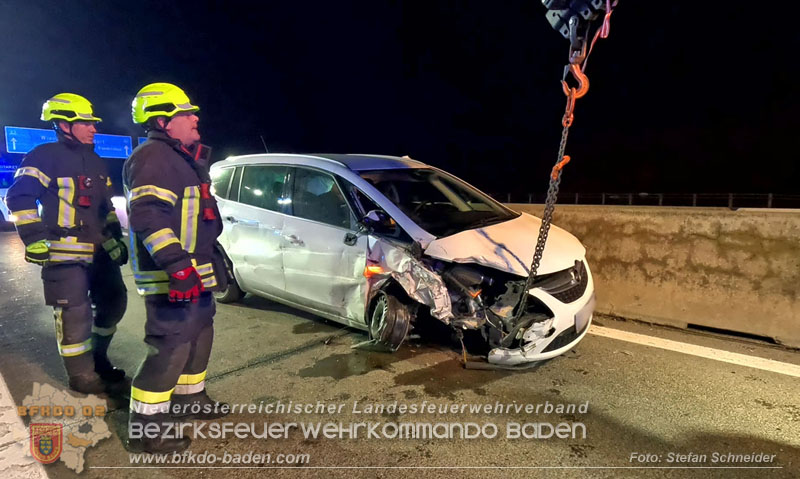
23	140
142	139
113	146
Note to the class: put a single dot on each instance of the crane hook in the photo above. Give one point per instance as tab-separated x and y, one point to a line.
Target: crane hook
580	77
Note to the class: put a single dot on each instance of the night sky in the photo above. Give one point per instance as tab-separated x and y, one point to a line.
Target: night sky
685	96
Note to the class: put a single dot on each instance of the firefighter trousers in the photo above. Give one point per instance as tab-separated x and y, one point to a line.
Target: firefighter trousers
179	338
86	299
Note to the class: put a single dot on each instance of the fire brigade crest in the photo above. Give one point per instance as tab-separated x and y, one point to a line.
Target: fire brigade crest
63	426
46	440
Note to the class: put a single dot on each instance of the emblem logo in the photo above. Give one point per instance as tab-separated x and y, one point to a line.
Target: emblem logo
577	272
46	441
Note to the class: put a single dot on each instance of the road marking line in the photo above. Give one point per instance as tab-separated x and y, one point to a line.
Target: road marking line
701	351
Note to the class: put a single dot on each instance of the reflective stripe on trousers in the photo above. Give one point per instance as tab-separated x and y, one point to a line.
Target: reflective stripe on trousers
74	348
191	383
150	402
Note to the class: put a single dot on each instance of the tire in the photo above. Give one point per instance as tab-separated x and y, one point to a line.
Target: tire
233	292
390	321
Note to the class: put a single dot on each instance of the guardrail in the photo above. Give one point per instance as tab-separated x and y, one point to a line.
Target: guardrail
729	200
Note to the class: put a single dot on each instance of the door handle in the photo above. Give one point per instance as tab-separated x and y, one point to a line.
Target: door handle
231	219
350	239
294	240
252	223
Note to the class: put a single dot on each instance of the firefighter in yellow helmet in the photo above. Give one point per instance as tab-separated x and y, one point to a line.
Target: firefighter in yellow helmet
174	225
62	198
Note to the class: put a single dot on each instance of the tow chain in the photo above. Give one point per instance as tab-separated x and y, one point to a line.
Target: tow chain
567	22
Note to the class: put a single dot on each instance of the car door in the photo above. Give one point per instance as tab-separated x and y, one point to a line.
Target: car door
323	257
252	227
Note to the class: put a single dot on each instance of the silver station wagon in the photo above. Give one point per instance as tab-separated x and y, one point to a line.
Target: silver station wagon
384	244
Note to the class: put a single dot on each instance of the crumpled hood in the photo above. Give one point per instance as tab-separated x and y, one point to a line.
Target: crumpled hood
509	247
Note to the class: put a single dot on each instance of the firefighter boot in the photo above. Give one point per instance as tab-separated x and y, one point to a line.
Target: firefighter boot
188	407
102	365
82	378
160	439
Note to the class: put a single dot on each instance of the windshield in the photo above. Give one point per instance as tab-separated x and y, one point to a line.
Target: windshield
439	203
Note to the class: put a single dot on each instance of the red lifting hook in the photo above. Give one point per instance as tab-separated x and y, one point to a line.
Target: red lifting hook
583	81
573	93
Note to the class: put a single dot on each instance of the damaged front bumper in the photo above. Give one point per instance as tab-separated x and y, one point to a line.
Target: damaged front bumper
550	338
571	307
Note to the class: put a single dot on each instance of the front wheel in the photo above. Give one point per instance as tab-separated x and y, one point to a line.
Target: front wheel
231	294
390	321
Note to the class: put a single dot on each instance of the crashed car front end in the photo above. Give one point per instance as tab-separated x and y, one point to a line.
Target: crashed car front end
471	296
465	262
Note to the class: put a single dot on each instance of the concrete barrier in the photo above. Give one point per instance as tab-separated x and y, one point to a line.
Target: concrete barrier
713	267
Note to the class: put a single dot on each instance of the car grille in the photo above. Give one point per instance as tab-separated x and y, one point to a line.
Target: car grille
567	285
574	293
567	336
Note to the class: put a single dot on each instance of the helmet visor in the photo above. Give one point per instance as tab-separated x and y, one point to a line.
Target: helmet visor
71	115
170	109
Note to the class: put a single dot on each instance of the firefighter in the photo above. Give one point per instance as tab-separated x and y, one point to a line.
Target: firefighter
77	238
174	223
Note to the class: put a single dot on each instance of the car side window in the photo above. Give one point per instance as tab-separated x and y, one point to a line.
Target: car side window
221	181
233	194
317	197
365	204
262	186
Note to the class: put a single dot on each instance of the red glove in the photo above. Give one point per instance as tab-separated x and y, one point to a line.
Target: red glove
185	285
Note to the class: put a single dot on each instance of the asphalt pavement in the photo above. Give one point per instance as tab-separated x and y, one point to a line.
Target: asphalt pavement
639	411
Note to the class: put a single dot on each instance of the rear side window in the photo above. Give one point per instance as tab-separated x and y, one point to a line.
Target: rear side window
317	197
262	186
221	182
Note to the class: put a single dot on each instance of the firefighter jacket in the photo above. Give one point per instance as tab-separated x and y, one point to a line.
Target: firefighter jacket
71	185
174	221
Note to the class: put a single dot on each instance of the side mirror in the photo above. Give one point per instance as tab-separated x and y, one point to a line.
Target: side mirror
378	220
